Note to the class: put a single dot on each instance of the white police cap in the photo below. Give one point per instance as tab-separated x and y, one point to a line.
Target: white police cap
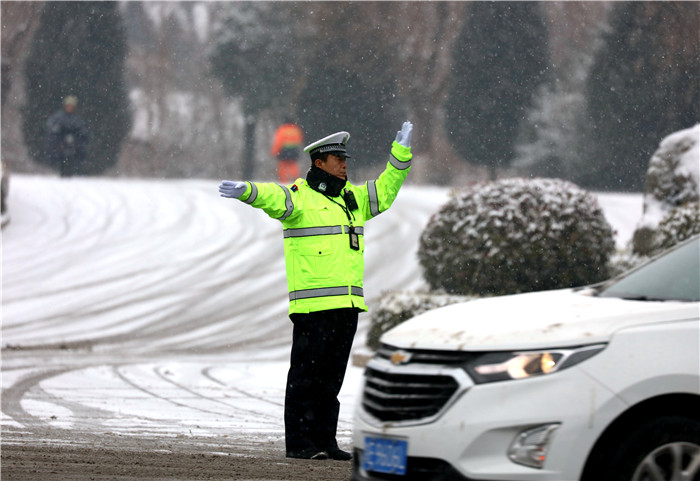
333	144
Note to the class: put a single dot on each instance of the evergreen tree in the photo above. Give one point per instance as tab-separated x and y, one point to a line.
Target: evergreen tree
500	60
352	89
549	142
257	59
293	59
336	100
644	84
79	49
138	27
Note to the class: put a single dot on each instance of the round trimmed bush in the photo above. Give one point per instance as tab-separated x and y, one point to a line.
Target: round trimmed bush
671	182
680	224
516	235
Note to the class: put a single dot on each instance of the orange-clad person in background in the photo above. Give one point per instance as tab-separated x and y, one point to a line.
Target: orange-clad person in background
287	145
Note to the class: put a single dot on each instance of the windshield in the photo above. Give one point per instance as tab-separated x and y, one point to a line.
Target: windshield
673	276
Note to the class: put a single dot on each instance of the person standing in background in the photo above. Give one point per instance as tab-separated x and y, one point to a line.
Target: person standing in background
286	148
67	138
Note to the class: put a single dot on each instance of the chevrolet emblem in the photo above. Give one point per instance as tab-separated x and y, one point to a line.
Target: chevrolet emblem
400	357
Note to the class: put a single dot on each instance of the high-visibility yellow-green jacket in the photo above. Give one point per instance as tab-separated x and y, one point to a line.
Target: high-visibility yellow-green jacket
323	272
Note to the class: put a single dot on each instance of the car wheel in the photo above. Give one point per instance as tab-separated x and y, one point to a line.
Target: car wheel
666	449
674	462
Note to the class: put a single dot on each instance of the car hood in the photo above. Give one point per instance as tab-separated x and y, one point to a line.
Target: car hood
534	320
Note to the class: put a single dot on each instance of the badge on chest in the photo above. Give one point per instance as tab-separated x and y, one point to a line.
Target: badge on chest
354	239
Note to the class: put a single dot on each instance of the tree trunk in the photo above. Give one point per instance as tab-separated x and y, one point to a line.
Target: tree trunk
249	147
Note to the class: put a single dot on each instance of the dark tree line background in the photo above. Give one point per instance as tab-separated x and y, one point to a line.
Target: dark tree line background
643	85
80	50
578	90
501	59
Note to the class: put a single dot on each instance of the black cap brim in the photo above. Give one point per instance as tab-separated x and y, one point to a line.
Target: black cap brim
337	149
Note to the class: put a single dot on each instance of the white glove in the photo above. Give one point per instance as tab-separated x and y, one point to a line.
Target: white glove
403	136
232	190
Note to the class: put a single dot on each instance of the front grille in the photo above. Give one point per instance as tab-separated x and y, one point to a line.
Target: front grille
444	358
400	397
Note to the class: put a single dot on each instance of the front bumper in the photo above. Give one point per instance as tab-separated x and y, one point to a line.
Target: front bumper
417	469
470	439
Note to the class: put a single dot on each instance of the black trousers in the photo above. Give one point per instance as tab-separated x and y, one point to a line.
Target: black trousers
320	350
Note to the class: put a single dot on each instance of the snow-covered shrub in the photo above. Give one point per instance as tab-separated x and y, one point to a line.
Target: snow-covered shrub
673	180
393	308
624	260
516	235
680	224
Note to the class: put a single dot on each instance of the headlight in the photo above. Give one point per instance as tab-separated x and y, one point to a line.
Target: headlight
504	366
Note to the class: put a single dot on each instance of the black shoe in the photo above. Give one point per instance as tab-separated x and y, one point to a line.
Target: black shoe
308	453
339	455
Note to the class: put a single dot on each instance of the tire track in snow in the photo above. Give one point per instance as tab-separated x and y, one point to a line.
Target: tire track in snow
29	388
13	396
206	372
191	275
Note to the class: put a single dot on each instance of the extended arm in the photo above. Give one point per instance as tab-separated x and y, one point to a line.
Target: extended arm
382	192
274	199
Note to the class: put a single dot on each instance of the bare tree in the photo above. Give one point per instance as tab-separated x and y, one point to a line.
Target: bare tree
184	126
424	42
413	43
19	22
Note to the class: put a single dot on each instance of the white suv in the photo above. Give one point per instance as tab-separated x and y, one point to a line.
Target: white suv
591	384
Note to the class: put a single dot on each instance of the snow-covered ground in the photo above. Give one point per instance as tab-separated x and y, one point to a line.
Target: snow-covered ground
158	308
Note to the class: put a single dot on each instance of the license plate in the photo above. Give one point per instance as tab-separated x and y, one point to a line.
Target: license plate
385	455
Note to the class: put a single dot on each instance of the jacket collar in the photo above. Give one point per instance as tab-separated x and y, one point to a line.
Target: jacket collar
324	183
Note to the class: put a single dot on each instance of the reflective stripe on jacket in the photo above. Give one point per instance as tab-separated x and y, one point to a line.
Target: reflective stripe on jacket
323	272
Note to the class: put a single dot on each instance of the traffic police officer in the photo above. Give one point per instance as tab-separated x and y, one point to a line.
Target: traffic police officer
323	217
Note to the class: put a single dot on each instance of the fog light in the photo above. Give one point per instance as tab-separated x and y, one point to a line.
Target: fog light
530	447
